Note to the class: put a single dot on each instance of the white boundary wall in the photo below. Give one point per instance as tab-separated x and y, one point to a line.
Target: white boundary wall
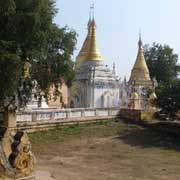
39	119
40	115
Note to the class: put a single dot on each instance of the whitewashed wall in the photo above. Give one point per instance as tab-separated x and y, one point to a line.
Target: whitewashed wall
64	114
114	99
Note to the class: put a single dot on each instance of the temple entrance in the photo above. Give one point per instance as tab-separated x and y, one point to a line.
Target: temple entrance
106	99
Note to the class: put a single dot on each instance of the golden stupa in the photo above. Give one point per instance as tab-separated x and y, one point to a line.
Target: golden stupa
89	50
140	70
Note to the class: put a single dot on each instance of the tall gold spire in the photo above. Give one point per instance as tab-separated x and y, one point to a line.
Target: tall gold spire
89	50
85	48
93	53
140	70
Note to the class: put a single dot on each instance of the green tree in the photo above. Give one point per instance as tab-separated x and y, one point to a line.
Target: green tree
169	97
163	65
27	30
162	62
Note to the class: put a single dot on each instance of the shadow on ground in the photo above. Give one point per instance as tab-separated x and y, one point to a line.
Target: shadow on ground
147	138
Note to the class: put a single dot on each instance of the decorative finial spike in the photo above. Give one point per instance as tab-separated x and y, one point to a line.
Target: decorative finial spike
92	10
140	40
93	23
91	15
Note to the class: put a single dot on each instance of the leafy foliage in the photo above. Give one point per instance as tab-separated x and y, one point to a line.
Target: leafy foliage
162	62
27	30
169	97
163	65
10	65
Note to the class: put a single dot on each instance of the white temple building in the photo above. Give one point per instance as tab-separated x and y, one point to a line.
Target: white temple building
95	85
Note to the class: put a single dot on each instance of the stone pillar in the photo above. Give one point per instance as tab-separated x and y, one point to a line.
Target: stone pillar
67	115
109	112
96	113
10	117
83	113
52	116
34	117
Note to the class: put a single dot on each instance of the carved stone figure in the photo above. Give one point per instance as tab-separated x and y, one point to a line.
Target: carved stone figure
16	158
26	69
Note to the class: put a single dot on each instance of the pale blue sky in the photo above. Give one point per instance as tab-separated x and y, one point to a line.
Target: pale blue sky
118	23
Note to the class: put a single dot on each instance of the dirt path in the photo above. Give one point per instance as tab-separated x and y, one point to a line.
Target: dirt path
128	154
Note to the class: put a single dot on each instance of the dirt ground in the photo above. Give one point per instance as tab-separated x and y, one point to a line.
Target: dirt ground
107	151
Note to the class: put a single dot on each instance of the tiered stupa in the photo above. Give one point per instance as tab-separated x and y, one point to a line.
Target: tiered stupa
140	81
140	70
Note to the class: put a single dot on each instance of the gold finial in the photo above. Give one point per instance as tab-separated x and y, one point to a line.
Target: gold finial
140	70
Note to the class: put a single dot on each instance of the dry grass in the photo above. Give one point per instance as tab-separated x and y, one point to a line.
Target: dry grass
109	150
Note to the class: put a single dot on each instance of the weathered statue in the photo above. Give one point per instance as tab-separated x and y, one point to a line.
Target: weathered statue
16	158
151	101
26	69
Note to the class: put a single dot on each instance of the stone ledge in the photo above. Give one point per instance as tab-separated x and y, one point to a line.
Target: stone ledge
43	125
